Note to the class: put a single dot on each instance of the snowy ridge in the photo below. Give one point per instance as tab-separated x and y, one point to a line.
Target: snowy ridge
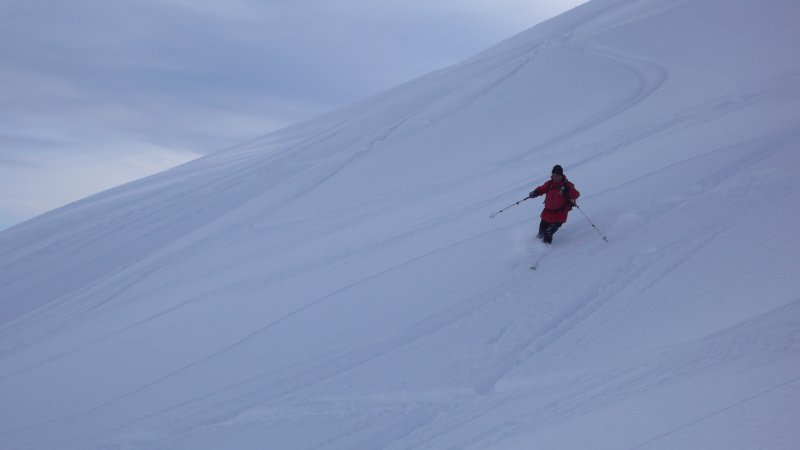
339	284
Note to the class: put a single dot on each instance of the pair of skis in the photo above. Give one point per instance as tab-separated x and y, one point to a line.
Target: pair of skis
540	255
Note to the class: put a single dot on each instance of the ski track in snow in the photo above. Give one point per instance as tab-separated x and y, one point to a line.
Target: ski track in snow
649	78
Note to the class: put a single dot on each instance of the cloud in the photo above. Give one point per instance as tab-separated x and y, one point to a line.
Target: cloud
69	177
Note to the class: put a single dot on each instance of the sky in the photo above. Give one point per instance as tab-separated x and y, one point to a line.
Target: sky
94	94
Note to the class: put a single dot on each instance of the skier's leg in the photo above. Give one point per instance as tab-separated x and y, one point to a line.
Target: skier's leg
542	227
549	231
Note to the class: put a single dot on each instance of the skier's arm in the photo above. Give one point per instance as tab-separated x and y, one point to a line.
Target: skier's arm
538	191
573	194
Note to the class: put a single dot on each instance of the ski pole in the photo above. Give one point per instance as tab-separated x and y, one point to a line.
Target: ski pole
515	204
590	221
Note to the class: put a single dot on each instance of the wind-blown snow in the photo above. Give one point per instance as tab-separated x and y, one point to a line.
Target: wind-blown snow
340	285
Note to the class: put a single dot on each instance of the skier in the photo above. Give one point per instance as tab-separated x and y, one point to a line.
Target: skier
560	195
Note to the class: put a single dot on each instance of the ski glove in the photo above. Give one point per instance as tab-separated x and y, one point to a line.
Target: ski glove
533	194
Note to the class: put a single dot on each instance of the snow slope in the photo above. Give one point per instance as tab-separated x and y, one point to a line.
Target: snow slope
340	285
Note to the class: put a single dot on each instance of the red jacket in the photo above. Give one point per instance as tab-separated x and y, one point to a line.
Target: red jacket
557	204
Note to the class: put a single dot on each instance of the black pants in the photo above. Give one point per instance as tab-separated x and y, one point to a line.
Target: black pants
547	230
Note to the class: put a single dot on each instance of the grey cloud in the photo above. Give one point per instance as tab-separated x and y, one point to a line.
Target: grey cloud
15	163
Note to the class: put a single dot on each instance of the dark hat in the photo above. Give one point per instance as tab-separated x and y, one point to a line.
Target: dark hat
558	170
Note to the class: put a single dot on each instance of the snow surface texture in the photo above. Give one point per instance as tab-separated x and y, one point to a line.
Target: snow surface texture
340	285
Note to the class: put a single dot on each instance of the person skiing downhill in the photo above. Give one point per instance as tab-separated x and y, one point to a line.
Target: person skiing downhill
560	195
